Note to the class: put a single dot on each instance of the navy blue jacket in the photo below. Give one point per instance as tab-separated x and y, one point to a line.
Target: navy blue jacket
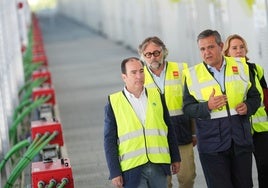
216	135
183	129
132	176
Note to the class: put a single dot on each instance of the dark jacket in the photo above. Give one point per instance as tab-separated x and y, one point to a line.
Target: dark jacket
131	177
215	135
183	129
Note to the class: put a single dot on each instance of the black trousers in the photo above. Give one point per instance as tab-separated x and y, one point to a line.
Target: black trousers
231	168
260	141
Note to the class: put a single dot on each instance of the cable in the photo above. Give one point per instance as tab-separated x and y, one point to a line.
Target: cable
64	182
14	149
41	184
19	108
52	183
29	84
19	119
33	84
35	141
30	69
26	159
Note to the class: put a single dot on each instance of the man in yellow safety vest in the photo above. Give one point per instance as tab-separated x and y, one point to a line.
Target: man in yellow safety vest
139	141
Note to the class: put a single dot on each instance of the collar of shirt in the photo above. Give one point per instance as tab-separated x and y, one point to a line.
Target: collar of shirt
138	104
159	80
219	75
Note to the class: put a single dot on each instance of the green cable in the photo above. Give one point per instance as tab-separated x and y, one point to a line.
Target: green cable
28	56
64	182
19	108
40	184
27	59
35	150
28	72
52	183
37	137
36	103
39	141
26	159
31	67
14	149
13	127
27	66
30	83
35	83
35	141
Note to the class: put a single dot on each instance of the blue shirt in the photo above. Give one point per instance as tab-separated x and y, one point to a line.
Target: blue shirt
219	75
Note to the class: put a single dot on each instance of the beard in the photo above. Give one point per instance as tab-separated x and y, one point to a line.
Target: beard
155	65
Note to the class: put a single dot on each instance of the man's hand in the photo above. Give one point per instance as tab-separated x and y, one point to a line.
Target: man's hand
194	140
216	102
118	181
175	167
241	109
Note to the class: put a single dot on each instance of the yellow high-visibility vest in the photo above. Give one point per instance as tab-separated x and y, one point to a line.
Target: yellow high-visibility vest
259	119
237	82
140	143
173	86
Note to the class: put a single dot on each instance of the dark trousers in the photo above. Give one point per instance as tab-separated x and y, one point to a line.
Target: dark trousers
261	156
231	168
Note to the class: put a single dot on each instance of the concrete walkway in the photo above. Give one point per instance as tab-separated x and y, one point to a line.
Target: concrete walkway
85	68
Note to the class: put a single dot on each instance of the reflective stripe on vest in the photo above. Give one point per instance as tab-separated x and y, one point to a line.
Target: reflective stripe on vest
259	119
139	143
201	83
173	86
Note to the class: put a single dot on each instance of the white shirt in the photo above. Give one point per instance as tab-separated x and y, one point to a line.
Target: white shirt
159	80
138	104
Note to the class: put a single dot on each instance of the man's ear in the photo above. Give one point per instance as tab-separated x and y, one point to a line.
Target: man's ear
221	45
123	76
165	53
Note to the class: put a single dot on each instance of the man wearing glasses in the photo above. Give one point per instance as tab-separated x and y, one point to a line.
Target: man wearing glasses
167	77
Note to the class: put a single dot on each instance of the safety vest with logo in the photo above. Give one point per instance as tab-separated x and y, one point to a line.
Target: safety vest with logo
259	119
140	143
201	83
173	86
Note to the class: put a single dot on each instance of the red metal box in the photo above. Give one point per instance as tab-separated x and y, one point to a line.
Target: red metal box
53	170
44	91
41	127
42	73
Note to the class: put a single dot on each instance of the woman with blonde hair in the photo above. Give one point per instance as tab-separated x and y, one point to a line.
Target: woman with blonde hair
236	46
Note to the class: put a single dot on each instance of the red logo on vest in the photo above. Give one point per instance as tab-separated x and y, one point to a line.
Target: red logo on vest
235	69
175	74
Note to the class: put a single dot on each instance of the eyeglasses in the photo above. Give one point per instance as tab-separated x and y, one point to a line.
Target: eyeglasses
155	53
